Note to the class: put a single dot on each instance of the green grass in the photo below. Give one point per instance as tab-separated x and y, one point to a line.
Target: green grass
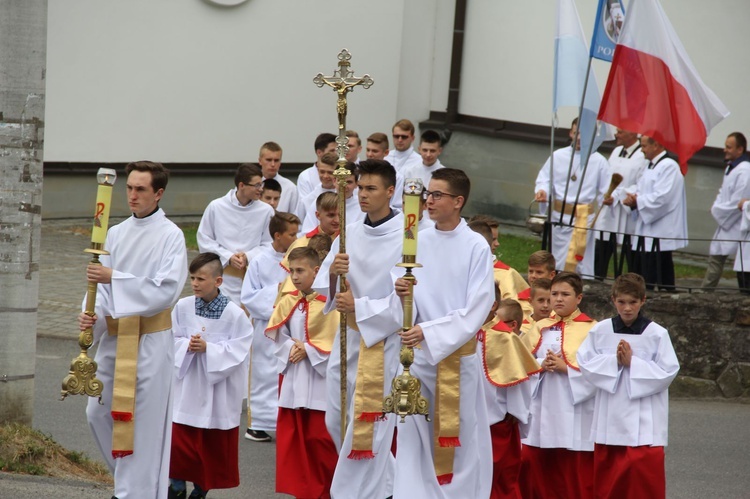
190	231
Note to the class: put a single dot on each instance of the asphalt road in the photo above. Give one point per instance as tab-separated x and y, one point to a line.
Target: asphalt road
707	456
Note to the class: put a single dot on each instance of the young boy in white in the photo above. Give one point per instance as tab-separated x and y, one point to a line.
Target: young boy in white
259	290
558	446
631	362
305	454
211	341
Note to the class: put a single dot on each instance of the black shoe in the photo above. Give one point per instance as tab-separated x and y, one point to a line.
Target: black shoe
257	435
197	495
173	494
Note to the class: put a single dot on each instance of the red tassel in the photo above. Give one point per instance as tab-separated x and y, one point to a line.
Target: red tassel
121	453
449	442
579	258
122	416
360	455
445	479
372	417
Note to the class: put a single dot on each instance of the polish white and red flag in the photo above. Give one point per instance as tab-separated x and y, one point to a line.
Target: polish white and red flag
653	87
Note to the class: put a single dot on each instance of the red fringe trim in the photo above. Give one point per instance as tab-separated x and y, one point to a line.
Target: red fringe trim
122	416
372	417
445	479
449	442
360	455
121	453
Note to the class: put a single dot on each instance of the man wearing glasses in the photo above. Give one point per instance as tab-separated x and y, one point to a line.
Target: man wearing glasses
235	225
402	155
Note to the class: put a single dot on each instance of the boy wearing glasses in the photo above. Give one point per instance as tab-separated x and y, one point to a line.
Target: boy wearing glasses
402	155
235	225
450	455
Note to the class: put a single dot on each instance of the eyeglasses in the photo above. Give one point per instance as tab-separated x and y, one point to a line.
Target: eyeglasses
436	195
257	185
400	137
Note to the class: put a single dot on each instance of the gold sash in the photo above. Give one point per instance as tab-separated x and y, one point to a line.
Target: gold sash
231	271
573	330
577	248
505	359
128	331
320	328
447	411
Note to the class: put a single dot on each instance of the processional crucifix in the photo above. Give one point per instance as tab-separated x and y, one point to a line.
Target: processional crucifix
343	81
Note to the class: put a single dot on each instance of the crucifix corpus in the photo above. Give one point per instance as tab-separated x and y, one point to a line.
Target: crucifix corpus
343	81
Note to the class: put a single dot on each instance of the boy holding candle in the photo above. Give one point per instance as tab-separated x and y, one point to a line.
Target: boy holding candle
365	466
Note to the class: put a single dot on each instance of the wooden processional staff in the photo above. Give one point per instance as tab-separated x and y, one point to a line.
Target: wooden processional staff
343	81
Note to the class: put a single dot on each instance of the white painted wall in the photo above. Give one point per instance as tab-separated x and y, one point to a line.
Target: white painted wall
508	57
187	81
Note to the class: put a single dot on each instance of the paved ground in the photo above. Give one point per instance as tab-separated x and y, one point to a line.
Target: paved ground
707	456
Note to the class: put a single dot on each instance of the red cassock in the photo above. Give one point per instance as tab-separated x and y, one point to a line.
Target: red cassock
305	454
207	457
506	459
556	473
629	472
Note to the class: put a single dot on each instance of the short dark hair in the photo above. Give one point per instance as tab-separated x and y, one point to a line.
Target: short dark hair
204	259
542	257
379	168
493	223
281	221
629	284
541	283
457	180
271	184
320	242
739	139
514	310
159	174
305	253
322	141
245	172
483	229
329	158
431	137
379	138
570	278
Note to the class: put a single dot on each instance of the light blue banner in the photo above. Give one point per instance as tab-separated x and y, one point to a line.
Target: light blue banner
610	16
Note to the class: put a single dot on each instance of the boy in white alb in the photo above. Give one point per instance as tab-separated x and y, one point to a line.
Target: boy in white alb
430	148
308	179
326	183
139	281
631	362
557	457
451	455
259	290
353	212
403	155
303	337
211	342
269	160
233	226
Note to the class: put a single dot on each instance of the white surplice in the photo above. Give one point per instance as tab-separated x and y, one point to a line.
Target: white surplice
289	196
304	383
662	207
562	405
403	159
354	213
209	386
632	403
259	290
149	263
307	205
227	228
616	217
307	180
742	258
593	186
452	298
421	171
735	187
373	253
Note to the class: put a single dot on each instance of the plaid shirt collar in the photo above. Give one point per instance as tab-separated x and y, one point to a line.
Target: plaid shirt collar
212	309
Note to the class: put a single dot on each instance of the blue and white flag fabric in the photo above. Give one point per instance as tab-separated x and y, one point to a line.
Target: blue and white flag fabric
571	65
610	16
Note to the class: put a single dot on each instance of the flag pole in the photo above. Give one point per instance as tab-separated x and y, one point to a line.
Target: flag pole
547	233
